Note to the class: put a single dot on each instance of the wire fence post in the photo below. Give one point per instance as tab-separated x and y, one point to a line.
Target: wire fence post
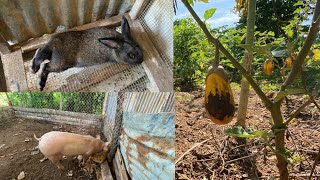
117	127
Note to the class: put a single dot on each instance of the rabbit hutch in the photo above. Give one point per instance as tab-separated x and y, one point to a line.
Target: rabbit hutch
140	127
26	26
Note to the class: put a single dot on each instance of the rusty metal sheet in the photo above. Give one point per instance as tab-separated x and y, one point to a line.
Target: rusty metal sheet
149	102
147	145
21	20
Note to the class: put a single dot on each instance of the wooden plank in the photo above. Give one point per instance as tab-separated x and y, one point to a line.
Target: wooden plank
137	8
105	171
63	113
155	67
40	41
14	71
4	46
119	166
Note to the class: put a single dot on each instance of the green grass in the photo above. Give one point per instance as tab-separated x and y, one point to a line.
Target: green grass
269	87
3	99
235	86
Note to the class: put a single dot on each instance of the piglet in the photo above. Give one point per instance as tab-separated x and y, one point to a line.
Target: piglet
55	144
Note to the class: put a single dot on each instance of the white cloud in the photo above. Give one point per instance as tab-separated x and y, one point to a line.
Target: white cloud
181	16
227	19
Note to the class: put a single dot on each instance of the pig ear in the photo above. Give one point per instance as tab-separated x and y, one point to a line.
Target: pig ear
98	136
110	42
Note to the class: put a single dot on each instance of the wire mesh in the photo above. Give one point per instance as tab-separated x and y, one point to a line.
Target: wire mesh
70	108
157	20
100	78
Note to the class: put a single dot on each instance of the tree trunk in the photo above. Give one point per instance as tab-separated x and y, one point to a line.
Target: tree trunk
244	94
279	141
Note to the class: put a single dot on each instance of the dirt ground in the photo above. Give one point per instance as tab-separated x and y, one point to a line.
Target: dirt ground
17	146
221	157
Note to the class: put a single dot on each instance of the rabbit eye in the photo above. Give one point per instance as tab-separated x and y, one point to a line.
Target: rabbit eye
131	56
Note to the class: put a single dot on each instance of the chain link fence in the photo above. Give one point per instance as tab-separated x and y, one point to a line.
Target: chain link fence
90	103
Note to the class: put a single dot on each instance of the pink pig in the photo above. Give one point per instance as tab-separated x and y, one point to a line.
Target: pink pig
55	144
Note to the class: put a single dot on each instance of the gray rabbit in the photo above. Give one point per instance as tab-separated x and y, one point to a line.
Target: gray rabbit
85	48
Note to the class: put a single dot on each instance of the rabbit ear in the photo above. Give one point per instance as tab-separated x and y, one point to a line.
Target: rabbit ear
125	29
110	42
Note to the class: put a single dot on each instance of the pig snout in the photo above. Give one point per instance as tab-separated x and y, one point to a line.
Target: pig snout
54	145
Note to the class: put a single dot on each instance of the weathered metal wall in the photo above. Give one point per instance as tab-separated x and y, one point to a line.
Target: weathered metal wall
21	20
148	135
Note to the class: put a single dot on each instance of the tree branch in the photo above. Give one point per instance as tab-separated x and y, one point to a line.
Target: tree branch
312	34
312	98
236	64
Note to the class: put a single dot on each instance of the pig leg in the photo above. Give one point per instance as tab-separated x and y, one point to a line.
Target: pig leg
56	161
85	158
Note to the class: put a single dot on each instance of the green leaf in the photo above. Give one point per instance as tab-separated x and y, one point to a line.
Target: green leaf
271	33
238	132
191	2
290	32
263	134
298	3
280	51
209	13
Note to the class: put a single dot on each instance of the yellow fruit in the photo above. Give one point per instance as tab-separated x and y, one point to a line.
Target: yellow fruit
289	61
268	66
219	102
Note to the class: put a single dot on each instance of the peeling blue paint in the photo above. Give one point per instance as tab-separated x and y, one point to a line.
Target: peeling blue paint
147	145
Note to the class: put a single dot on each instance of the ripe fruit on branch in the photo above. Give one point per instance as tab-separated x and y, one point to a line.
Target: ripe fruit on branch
219	102
268	66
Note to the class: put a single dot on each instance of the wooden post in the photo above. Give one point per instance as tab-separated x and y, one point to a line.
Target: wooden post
4	46
4	49
116	132
158	72
9	100
14	71
119	166
3	84
105	171
104	105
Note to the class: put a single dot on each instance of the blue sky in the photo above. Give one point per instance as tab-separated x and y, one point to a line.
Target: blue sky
225	14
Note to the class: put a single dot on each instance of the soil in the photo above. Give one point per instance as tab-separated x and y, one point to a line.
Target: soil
223	157
17	145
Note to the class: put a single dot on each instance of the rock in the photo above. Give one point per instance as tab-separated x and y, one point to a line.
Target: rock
26	140
70	174
21	175
43	159
2	145
80	158
34	152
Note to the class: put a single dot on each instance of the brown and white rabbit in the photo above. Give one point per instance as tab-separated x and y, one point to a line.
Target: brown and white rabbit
85	48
